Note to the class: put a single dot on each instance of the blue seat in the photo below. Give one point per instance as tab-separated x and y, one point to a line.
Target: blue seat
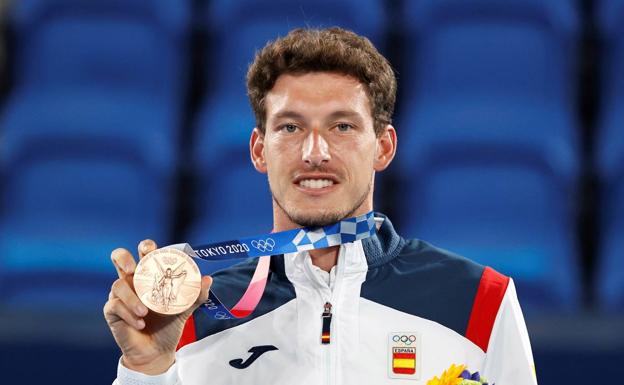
489	152
609	160
89	136
226	120
233	201
487	60
609	276
114	45
257	22
610	15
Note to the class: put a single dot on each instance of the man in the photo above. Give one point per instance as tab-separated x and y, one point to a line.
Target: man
401	309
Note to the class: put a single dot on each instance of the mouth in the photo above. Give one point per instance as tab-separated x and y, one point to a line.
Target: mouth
316	184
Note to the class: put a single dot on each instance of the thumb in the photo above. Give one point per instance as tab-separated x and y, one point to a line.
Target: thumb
206	282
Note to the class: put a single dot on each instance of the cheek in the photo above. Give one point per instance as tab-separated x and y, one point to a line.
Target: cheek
360	154
365	161
284	147
278	163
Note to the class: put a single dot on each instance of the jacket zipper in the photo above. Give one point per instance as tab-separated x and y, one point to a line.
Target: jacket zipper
328	313
325	341
327	317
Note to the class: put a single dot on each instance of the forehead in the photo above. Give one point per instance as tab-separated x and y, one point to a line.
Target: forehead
316	92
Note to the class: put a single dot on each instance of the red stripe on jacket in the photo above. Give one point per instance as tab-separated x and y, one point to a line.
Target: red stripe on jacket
188	333
492	288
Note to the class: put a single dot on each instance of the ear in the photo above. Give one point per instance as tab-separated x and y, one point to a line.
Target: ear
386	148
256	150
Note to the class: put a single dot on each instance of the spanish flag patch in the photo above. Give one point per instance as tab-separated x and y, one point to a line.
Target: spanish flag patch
404	360
404	355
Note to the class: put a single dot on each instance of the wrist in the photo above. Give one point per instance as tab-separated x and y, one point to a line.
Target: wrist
157	366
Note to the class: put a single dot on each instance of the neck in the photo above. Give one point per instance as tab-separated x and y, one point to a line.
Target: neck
325	258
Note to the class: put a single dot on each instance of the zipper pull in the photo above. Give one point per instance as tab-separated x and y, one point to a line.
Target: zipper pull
327	316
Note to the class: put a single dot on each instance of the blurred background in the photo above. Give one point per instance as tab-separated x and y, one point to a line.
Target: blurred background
127	119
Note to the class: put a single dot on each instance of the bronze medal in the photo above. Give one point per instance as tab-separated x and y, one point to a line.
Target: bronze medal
167	281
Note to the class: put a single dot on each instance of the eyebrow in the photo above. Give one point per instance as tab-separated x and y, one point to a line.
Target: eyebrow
334	115
344	114
289	114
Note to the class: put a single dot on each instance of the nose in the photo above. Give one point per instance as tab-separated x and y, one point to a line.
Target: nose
315	149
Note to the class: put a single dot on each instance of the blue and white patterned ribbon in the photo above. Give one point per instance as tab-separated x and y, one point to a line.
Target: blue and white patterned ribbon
290	241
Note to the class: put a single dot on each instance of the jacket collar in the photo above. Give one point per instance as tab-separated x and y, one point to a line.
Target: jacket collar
384	246
381	248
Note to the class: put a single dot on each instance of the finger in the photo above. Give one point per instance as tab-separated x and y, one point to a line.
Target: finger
145	247
121	290
123	261
206	282
115	310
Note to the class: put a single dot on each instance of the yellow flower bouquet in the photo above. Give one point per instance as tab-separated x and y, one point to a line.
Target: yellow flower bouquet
458	375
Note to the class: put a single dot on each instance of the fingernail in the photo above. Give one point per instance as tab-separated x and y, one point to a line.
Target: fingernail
141	324
146	247
128	268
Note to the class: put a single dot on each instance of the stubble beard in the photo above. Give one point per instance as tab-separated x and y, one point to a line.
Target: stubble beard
324	218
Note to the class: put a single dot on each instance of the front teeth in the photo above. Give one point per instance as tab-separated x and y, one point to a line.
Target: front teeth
316	183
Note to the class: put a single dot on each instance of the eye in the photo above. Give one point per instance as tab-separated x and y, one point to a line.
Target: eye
344	127
291	128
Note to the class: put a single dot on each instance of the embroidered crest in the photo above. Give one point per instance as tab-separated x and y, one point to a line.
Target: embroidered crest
404	351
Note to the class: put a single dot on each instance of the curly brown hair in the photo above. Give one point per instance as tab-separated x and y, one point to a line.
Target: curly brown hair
324	50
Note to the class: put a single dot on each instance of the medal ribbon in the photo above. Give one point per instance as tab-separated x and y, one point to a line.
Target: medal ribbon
229	253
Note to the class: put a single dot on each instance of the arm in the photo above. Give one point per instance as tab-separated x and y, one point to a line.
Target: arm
182	274
509	359
126	376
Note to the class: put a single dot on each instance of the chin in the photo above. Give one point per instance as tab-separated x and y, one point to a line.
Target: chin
314	217
314	213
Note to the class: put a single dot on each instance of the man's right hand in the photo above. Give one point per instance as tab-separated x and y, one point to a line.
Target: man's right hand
147	340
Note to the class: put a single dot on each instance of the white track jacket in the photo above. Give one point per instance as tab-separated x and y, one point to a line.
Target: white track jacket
402	312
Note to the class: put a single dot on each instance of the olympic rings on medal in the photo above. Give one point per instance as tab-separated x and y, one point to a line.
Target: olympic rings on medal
407	340
264	245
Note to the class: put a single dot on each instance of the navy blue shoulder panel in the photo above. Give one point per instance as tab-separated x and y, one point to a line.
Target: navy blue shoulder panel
427	282
230	284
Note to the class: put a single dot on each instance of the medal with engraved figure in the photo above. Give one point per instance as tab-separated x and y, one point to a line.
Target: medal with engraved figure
167	281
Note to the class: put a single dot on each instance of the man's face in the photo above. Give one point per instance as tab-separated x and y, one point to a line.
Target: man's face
319	148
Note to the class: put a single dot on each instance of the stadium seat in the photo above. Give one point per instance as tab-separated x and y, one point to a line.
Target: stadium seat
226	120
610	156
89	141
610	273
489	153
233	201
